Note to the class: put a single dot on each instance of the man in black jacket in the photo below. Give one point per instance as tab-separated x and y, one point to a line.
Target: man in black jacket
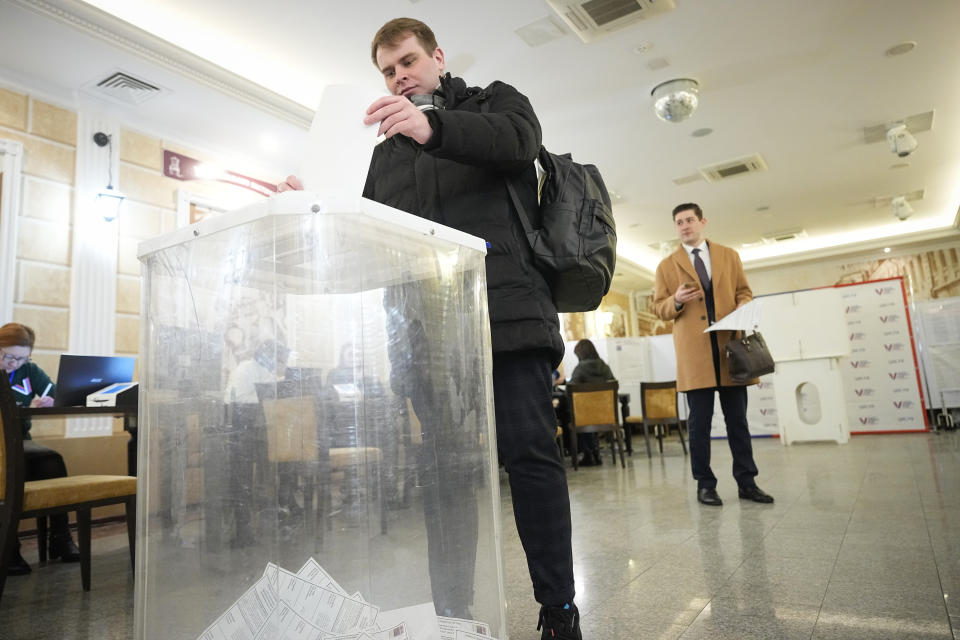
448	160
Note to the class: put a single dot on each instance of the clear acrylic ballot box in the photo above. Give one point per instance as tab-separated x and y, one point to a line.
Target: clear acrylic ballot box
316	434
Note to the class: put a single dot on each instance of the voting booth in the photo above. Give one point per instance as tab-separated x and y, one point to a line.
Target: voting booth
317	446
807	336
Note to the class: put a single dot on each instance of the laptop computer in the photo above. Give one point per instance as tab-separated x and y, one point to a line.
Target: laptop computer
80	376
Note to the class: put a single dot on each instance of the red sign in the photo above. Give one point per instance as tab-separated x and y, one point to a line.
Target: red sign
181	167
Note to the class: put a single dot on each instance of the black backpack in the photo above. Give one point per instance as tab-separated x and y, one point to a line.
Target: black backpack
575	247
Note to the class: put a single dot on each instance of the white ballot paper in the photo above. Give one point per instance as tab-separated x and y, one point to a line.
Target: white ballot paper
340	147
312	572
285	624
421	621
746	318
325	608
311	605
452	628
247	616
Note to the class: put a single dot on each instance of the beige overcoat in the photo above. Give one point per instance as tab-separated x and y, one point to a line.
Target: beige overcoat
730	289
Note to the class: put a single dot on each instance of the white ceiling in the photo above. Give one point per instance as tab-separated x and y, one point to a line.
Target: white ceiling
796	82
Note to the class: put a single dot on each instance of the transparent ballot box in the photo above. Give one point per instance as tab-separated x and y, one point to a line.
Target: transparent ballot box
317	449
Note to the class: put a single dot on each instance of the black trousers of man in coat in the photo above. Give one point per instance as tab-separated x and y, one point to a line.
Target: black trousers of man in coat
733	402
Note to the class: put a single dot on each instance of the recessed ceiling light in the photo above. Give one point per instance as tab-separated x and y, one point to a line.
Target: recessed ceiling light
643	47
900	165
699	133
900	49
886	249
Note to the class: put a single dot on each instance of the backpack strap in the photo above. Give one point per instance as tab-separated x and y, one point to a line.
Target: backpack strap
514	196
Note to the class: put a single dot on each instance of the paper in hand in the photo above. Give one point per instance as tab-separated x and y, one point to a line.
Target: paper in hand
340	146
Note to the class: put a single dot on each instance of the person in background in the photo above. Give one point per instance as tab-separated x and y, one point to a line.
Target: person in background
591	368
32	387
449	163
696	285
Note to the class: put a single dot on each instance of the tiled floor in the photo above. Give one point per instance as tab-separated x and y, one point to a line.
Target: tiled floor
862	542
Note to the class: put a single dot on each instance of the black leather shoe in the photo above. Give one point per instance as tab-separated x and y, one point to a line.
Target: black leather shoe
709	497
18	566
63	547
755	493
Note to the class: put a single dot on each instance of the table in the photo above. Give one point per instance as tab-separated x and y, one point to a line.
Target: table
128	412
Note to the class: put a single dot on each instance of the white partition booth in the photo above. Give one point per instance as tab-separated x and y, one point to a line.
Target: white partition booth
806	334
317	448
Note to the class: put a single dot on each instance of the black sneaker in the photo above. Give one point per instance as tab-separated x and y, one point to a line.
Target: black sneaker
560	623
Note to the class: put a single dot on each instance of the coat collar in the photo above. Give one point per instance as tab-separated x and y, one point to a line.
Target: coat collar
455	90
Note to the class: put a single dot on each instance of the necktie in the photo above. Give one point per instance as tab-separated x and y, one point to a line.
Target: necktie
701	270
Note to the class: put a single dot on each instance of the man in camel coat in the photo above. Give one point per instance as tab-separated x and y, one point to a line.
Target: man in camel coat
696	285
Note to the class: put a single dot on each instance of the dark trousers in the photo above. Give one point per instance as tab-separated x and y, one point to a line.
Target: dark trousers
43	463
733	402
526	430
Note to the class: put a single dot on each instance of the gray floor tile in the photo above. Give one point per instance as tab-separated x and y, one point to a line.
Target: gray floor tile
862	542
727	619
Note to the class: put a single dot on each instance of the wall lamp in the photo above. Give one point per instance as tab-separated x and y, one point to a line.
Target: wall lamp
108	200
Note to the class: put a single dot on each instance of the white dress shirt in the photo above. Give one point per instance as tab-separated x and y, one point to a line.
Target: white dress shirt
704	255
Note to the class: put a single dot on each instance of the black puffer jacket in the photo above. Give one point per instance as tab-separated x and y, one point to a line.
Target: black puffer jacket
458	179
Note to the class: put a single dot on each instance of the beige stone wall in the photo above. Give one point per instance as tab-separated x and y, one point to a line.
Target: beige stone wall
48	133
42	288
151	209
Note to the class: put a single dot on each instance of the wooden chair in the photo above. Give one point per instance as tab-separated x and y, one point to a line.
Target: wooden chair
593	409
658	404
40	498
292	438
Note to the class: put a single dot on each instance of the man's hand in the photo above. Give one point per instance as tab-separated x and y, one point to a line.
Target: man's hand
292	183
687	292
396	115
45	401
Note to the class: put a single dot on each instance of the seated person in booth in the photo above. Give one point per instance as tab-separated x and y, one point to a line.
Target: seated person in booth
591	368
33	388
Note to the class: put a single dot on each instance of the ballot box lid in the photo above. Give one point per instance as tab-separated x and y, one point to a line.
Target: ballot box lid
292	203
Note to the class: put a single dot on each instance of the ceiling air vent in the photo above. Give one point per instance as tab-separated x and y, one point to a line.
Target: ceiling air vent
125	88
731	168
591	19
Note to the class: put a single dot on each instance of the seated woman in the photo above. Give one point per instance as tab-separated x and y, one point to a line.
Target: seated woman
591	368
33	388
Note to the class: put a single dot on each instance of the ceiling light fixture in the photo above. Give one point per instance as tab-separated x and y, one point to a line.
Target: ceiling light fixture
901	208
675	100
108	200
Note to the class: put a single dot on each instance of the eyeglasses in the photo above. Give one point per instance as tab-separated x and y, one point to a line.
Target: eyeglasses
9	358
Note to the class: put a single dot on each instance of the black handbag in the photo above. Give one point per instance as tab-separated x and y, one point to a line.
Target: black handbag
748	357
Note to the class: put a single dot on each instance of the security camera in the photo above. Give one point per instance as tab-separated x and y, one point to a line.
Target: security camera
901	141
901	208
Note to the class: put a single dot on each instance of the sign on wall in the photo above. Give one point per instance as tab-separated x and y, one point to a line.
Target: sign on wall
181	167
881	376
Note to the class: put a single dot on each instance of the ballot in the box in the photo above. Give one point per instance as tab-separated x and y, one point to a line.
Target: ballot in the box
315	384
